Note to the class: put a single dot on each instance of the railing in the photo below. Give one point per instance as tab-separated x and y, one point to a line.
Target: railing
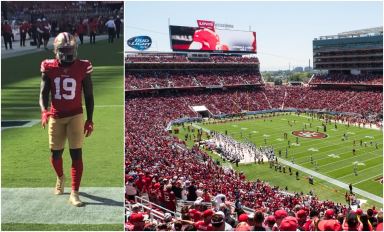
182	203
153	209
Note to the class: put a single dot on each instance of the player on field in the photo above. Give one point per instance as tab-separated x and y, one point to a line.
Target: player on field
65	78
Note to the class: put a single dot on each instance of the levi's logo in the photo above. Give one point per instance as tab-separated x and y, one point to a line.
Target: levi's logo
206	24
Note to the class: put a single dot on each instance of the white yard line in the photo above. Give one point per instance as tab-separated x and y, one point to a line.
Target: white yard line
351	158
334	181
360	171
367	179
321	154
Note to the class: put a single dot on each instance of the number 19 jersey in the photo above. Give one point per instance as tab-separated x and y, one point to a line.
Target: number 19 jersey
66	84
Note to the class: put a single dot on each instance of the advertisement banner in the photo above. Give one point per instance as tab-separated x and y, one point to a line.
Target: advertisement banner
140	43
207	40
206	24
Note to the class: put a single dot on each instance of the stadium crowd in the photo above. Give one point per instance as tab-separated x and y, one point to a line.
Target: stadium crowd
161	168
168	79
348	79
178	58
42	20
159	165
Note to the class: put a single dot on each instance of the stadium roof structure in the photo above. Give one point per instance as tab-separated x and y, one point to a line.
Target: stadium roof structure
374	31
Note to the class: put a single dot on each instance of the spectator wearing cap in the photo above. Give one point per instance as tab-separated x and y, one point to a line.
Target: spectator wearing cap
270	222
329	214
289	224
218	223
111	27
205	224
359	212
194	213
243	217
135	222
301	216
329	225
279	216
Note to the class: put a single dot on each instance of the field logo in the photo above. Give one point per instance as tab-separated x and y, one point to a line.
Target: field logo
309	134
140	42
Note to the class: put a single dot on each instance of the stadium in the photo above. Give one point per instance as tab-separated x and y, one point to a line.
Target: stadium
27	178
208	141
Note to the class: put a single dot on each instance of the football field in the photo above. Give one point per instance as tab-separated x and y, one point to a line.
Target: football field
25	152
331	152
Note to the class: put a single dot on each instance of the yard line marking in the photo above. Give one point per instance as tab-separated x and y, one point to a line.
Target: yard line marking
360	171
343	166
367	179
345	160
333	181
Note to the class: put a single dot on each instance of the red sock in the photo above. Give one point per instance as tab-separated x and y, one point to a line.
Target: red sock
57	164
76	173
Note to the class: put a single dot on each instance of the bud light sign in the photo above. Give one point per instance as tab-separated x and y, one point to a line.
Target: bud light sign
140	42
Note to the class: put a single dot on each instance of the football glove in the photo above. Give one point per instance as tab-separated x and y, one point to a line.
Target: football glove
88	128
44	117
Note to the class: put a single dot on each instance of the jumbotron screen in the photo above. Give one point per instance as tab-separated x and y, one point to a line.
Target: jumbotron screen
208	40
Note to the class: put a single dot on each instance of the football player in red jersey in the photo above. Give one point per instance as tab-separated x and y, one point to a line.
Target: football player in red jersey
207	40
64	78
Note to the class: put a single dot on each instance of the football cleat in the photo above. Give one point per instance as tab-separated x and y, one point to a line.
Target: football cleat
65	47
59	189
74	199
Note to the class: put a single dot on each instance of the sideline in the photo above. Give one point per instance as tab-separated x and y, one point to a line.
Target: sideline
104	205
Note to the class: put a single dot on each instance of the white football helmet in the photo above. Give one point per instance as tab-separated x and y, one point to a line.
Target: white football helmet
65	47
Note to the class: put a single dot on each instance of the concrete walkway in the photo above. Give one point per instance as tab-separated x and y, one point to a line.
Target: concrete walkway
104	205
19	51
334	181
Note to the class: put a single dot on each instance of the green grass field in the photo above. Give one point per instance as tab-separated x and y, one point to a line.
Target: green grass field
338	166
24	151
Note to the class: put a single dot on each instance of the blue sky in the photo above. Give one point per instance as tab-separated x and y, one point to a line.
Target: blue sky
284	30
